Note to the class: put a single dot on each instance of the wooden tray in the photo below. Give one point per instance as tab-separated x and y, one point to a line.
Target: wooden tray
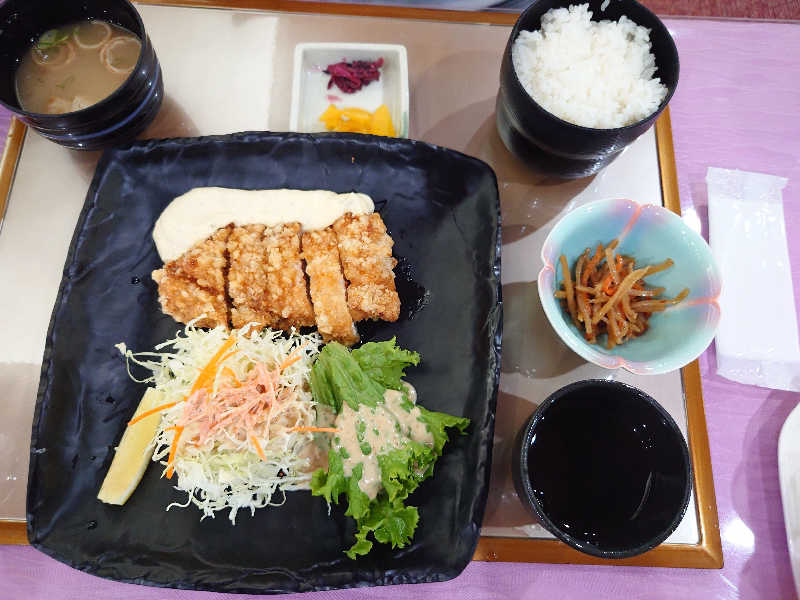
454	60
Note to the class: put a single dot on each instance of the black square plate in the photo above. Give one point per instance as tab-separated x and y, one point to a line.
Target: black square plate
440	206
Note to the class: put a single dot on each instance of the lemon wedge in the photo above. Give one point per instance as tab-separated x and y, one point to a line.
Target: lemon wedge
133	453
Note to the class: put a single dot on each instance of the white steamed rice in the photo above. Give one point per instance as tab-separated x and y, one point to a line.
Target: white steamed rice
594	74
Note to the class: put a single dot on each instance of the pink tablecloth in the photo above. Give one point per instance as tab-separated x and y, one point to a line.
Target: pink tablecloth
737	106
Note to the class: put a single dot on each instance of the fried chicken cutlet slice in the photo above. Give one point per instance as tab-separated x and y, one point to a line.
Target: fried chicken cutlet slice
247	277
287	287
194	283
266	282
327	287
366	253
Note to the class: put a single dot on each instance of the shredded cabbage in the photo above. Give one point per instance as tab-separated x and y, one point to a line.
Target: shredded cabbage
218	462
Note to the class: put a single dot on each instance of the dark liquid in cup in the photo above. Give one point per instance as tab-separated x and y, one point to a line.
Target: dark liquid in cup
604	468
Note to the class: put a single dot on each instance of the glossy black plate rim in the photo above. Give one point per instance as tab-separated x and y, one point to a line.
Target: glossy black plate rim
493	320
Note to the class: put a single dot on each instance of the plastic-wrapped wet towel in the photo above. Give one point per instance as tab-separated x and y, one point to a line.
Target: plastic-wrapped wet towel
757	340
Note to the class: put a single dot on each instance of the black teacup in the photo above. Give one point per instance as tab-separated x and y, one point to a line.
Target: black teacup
604	468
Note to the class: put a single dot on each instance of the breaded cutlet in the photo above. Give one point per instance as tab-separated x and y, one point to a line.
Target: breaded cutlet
287	289
366	254
327	287
194	283
247	277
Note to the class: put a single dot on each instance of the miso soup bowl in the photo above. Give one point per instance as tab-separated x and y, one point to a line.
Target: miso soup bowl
555	147
115	119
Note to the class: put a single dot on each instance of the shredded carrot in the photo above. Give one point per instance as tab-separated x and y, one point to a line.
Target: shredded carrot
219	400
290	361
622	288
152	411
204	375
172	450
292	358
226	357
205	380
321	429
608	287
228	372
258	448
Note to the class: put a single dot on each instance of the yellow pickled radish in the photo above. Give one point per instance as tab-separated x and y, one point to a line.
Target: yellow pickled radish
358	116
358	120
347	127
331	116
382	122
133	453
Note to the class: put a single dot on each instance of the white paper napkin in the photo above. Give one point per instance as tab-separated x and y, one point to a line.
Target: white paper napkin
757	341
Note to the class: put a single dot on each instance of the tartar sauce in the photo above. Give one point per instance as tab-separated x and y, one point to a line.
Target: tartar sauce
198	213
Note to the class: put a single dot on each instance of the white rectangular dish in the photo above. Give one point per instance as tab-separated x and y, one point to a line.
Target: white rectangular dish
789	474
311	96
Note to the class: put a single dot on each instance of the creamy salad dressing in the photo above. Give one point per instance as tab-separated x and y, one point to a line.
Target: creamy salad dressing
198	213
368	432
316	455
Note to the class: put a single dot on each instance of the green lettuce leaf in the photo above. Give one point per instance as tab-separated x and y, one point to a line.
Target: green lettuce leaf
403	469
438	423
361	377
358	503
332	483
336	376
390	522
385	363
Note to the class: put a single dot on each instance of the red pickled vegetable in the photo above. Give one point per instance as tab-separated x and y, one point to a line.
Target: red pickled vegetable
352	76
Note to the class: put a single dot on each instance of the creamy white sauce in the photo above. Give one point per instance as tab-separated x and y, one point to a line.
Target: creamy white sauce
385	427
198	213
